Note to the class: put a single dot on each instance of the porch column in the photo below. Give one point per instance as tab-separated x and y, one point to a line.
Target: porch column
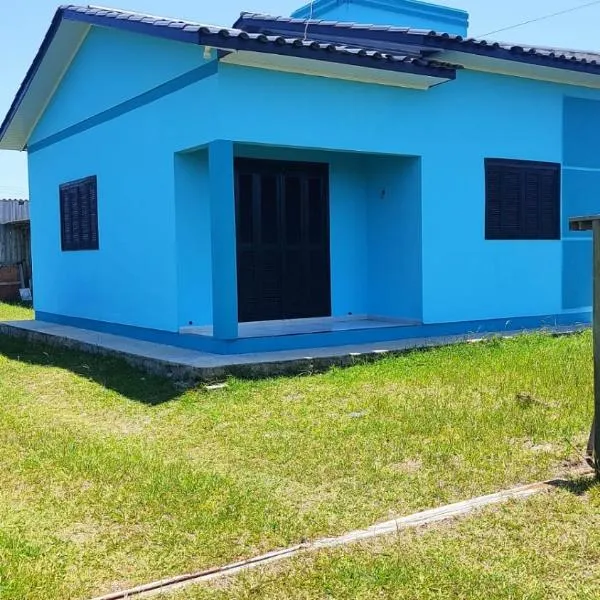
223	239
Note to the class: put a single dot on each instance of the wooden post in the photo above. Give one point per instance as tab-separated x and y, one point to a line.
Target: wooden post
586	224
596	429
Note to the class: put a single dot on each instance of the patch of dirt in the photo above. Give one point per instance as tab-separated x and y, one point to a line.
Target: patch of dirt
540	447
78	533
133	427
408	466
358	414
575	463
526	400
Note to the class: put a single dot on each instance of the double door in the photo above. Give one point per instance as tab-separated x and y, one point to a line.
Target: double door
283	257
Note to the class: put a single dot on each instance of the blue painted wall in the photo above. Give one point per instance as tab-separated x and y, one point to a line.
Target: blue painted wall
581	195
581	132
417	252
395	251
401	13
192	238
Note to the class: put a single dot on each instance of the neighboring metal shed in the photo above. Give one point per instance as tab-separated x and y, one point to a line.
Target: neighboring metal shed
13	211
15	248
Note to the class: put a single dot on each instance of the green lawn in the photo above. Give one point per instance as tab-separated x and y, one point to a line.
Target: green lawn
545	547
15	311
110	477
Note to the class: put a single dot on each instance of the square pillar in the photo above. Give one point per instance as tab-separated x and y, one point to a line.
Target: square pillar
223	239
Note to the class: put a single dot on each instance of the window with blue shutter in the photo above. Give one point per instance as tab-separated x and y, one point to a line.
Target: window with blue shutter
79	215
522	200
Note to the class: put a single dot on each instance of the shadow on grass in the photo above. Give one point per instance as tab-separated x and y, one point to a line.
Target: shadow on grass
578	486
18	304
109	372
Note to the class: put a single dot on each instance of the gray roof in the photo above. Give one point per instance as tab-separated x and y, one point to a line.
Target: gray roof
356	31
99	14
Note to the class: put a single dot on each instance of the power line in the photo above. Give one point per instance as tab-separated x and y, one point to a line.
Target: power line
310	16
542	18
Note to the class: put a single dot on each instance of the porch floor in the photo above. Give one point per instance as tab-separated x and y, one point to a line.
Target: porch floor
305	326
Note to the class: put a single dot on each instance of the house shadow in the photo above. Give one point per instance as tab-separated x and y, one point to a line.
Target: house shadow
110	372
579	486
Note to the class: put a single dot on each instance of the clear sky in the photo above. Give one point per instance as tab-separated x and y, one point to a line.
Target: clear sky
24	24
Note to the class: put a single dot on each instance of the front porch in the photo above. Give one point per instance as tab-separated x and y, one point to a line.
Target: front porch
262	329
279	242
292	334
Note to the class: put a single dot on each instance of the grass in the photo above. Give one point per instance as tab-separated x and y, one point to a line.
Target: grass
15	311
545	547
110	477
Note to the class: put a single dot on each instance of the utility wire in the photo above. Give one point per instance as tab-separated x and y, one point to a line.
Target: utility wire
310	16
542	18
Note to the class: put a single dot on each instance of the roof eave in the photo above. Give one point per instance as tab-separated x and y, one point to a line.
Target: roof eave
312	52
29	76
547	73
384	37
515	54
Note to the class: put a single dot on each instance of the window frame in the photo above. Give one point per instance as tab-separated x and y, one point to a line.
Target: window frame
524	167
89	186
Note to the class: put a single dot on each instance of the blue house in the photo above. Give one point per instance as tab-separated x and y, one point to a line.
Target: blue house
360	172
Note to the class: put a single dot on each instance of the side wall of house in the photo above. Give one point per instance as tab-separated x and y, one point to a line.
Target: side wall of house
148	194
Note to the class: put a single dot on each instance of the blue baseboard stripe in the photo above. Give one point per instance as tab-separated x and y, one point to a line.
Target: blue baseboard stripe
325	339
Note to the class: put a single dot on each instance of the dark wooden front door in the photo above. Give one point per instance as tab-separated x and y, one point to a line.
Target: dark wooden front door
282	218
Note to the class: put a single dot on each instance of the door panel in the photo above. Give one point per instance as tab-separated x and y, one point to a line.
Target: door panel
282	213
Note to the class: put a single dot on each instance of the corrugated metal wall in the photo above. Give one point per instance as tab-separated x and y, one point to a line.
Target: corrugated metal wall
15	248
13	210
15	245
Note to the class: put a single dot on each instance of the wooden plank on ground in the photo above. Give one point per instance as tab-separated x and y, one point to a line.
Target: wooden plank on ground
419	519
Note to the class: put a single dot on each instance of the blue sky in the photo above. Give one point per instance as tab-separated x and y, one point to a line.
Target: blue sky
24	23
